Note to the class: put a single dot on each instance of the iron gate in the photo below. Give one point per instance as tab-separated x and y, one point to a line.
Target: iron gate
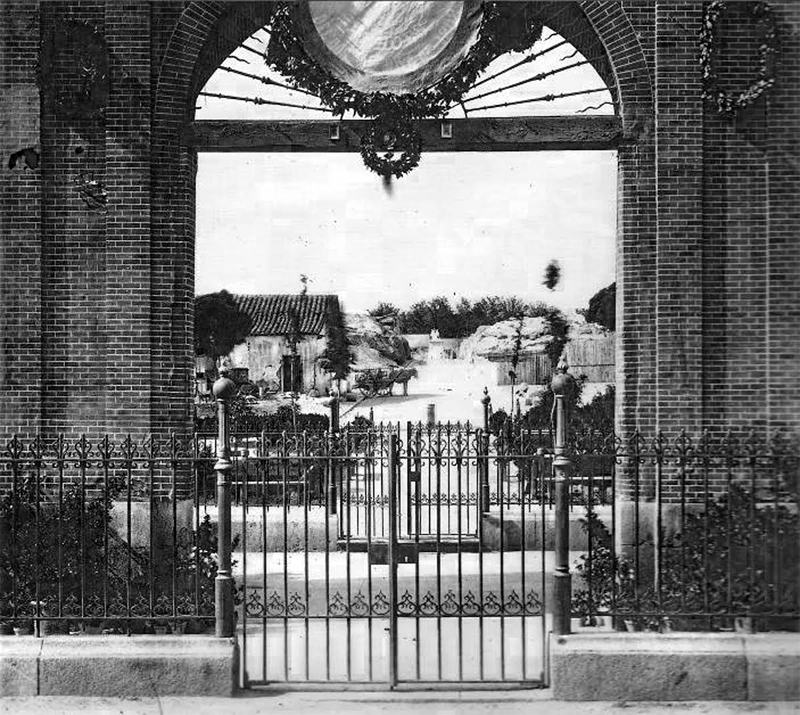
370	559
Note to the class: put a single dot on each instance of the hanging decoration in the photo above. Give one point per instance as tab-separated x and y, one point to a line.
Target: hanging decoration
334	51
729	103
92	192
391	148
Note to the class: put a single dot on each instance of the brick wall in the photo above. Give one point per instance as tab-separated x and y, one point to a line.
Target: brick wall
97	306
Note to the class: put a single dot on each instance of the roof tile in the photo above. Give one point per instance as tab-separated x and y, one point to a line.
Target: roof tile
271	313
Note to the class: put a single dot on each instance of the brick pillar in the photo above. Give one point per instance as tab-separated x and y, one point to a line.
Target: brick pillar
73	235
20	228
661	313
782	110
679	225
128	261
636	276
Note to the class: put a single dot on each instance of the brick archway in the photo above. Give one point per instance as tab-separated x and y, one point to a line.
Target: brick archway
207	32
96	305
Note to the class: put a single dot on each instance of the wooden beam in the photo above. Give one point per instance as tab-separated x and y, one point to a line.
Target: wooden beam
501	134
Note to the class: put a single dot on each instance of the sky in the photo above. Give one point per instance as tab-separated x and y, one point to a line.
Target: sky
466	224
460	224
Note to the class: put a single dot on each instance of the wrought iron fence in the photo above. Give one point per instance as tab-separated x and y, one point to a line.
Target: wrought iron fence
104	536
704	534
444	460
680	532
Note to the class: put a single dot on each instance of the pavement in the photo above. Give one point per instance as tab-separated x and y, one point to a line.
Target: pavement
365	703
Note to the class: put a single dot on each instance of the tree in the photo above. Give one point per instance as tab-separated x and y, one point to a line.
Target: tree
219	325
338	355
383	309
496	308
559	328
463	320
425	315
603	307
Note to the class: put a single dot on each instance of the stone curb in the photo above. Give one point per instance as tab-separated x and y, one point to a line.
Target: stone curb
675	667
118	666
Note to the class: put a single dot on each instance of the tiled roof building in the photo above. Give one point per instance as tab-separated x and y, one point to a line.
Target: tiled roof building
272	314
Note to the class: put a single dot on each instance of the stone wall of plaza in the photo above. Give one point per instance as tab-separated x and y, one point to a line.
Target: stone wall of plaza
96	277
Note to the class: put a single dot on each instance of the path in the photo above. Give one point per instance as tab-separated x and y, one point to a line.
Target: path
361	703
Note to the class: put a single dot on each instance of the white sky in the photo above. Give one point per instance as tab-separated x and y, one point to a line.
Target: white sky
461	224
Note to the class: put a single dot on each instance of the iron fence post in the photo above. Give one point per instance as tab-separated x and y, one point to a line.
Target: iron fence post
334	405
562	579
224	390
484	460
330	497
394	459
333	431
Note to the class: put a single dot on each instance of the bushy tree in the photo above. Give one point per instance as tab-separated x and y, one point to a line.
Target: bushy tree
603	307
219	325
425	315
383	309
463	319
494	309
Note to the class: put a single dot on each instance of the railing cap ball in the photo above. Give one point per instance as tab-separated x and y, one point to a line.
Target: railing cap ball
224	388
561	382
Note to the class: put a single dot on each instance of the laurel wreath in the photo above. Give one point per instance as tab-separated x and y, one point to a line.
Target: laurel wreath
498	33
730	103
391	149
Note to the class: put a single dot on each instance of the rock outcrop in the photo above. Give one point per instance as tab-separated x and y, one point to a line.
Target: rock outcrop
375	344
501	339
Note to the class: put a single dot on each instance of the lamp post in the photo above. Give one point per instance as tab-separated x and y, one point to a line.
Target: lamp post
224	389
561	385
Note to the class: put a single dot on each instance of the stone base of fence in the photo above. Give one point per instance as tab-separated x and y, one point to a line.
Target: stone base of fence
297	530
119	666
518	528
161	519
675	666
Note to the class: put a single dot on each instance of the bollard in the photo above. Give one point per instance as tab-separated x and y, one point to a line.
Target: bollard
224	389
562	579
431	414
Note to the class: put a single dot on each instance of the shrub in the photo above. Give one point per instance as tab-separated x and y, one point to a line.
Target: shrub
738	557
286	419
596	416
70	550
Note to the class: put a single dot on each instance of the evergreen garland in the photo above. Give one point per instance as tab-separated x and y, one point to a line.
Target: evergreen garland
503	28
728	103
